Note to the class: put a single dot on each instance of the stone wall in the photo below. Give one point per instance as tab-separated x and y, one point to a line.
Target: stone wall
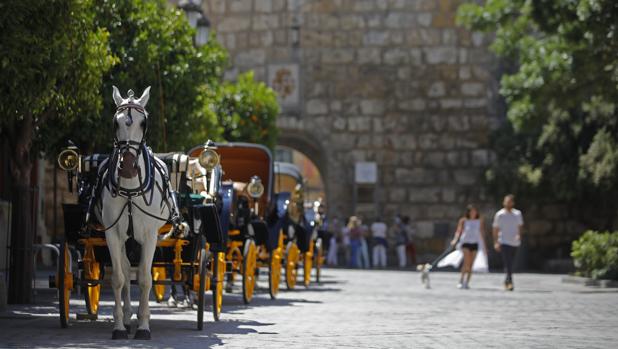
391	81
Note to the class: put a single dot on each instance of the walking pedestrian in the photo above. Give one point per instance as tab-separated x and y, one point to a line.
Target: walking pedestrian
331	258
345	249
355	235
469	236
364	252
401	238
507	231
378	236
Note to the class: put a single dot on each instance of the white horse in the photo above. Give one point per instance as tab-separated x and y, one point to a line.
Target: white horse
135	201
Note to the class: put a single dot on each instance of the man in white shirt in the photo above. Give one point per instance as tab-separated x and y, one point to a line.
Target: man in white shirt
507	231
378	234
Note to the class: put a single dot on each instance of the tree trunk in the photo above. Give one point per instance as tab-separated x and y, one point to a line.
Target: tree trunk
22	227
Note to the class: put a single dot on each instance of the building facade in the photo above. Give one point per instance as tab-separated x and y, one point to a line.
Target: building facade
391	83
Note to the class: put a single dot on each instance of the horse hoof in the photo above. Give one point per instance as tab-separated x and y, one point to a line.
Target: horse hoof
118	334
142	335
128	328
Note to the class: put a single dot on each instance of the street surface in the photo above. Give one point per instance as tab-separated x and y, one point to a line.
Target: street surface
354	309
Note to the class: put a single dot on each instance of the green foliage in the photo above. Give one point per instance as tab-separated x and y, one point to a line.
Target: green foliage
52	60
595	255
247	111
154	43
562	133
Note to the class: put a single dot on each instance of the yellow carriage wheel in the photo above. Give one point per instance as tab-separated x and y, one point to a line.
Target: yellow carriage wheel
274	272
291	265
159	274
93	292
248	270
64	282
307	266
217	284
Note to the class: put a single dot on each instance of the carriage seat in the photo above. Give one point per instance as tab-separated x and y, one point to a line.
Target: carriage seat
177	167
91	163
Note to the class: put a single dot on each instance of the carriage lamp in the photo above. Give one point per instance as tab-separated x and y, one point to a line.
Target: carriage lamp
209	159
255	189
203	31
68	159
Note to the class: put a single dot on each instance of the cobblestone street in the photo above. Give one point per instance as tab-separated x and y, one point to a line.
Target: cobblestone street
356	309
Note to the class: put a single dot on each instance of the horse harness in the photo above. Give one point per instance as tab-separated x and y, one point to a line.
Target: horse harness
106	177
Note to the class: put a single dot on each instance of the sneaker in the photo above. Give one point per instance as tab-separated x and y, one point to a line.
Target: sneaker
466	286
171	302
510	287
460	285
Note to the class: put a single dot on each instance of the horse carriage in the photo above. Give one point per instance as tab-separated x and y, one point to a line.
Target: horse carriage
303	247
245	199
134	208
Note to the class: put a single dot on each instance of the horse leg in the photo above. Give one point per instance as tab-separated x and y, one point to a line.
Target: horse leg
126	290
145	284
118	280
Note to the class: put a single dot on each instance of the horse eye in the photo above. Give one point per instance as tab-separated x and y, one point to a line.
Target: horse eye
116	125
143	124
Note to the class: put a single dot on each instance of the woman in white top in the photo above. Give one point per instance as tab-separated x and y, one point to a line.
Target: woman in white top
469	236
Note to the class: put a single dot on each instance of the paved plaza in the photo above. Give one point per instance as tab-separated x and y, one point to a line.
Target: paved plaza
355	309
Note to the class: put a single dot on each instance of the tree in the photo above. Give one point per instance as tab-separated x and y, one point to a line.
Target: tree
561	138
53	58
154	43
247	111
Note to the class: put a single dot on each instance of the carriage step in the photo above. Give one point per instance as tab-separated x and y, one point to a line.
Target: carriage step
86	316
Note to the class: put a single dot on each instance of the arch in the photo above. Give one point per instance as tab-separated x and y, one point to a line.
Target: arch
308	146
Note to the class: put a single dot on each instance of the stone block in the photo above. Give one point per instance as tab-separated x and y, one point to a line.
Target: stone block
449	195
416	104
240	5
397	194
424	229
264	22
465	73
250	58
372	106
374	20
440	55
234	24
416	56
435	159
424	19
466	177
369	56
449	37
398	20
480	157
349	22
424	195
451	103
363	5
359	124
437	89
316	107
263	6
472	88
396	56
376	38
428	141
339	124
539	227
337	56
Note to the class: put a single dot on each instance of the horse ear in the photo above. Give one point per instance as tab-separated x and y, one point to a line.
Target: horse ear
143	100
117	96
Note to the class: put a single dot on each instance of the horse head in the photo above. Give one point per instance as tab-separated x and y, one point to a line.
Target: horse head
130	127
